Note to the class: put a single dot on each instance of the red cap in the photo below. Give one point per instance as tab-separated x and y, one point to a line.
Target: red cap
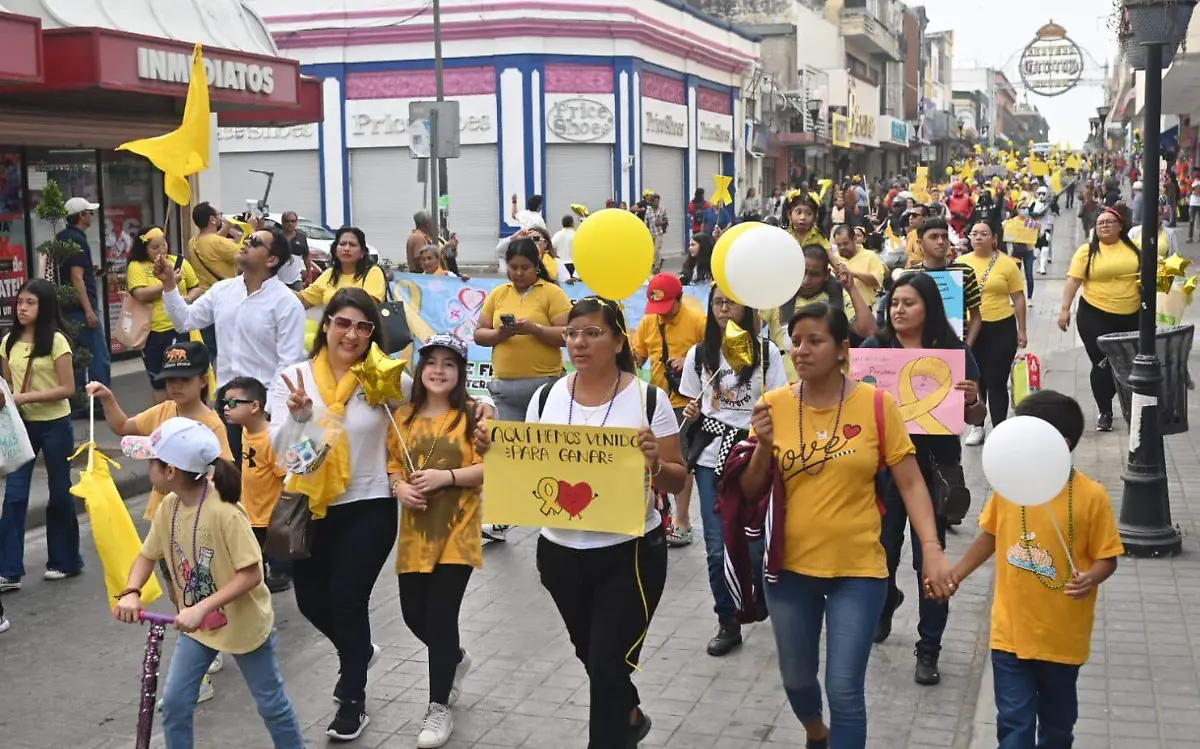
662	293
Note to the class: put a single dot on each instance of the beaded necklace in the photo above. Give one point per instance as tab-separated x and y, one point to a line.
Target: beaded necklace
612	399
1070	536
174	545
441	430
800	429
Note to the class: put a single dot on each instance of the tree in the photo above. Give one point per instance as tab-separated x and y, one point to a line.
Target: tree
52	208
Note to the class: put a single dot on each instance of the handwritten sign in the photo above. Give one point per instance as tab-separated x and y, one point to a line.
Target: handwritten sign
1021	230
572	477
950	286
922	381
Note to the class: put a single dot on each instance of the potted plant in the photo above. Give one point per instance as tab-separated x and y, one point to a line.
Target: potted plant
1143	22
52	209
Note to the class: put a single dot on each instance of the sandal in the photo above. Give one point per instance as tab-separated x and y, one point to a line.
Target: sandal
677	536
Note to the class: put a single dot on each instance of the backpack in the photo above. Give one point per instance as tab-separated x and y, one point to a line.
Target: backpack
543	395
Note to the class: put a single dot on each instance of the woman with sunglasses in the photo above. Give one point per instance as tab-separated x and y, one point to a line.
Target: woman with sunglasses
351	267
354	513
1106	269
607	585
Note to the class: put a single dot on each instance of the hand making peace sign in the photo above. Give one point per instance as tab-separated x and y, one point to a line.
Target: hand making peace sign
299	403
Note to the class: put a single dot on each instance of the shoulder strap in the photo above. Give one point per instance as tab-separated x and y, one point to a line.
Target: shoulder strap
651	403
880	427
196	254
543	395
698	362
766	357
28	371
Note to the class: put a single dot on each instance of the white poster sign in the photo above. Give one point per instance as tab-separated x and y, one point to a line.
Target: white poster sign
254	139
383	123
715	131
664	123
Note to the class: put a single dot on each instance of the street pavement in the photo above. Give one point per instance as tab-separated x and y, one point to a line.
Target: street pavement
69	674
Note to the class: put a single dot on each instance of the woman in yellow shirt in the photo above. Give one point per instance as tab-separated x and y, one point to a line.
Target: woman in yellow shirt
146	248
1107	270
36	360
821	439
351	267
1003	332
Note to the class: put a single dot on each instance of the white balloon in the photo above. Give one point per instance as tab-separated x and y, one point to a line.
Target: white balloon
765	267
1027	461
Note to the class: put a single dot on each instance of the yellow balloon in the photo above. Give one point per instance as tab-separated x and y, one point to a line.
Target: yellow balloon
614	253
310	333
721	253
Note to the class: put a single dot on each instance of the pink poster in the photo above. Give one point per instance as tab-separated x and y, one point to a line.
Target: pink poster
121	222
922	382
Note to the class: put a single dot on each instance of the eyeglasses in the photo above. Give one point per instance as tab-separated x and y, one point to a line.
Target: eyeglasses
234	402
724	303
255	241
343	324
1108	223
981	234
590	333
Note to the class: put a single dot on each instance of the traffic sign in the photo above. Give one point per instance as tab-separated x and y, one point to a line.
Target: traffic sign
420	114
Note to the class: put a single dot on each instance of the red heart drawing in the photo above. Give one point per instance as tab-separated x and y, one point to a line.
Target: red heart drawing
850	431
472	299
574	498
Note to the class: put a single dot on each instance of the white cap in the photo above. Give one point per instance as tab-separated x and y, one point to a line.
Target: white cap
183	443
1137	185
79	205
1196	183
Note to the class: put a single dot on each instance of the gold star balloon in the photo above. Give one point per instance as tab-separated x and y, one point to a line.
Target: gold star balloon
1175	265
738	346
1189	288
380	376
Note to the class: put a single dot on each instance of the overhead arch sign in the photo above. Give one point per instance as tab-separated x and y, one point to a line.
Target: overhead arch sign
1051	64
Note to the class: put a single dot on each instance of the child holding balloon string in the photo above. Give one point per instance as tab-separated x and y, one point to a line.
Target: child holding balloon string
1045	596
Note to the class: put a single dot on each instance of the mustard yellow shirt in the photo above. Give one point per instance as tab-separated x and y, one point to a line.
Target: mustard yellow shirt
684	330
141	274
44	376
867	262
913	253
524	356
322	290
213	254
814	236
1111	285
1028	619
833	520
1002	281
262	479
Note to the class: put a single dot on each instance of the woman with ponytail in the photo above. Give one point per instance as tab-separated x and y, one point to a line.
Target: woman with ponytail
1107	270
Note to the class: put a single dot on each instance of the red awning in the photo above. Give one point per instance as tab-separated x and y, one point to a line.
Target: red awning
311	109
21	40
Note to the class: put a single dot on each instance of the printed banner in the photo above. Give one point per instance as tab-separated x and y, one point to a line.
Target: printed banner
13	271
1020	230
922	381
120	224
572	477
950	285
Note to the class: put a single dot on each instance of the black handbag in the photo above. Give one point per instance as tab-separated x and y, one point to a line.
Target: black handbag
396	335
951	497
290	529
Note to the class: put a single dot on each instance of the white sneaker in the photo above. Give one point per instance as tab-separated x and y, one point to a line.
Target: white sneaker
497	533
9	584
206	690
460	673
375	651
4	624
436	727
216	664
975	436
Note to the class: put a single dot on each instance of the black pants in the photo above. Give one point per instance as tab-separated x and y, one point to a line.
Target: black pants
994	351
430	602
932	615
596	592
1093	323
333	586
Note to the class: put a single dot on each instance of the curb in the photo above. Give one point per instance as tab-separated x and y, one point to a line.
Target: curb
130	483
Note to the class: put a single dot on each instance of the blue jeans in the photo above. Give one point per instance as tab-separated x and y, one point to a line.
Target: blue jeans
55	440
714	545
95	341
931	624
261	672
850	606
1034	698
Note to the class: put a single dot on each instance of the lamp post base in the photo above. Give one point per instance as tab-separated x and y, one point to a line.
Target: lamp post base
1145	522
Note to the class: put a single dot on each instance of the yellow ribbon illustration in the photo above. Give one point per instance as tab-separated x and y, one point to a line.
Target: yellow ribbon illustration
913	407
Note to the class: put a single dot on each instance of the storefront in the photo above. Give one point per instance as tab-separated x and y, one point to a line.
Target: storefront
581	131
893	137
287	156
664	136
97	88
714	139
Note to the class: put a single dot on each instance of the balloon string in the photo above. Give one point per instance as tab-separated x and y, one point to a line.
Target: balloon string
1063	541
403	445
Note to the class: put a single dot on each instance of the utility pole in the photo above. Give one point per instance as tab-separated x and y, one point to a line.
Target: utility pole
437	166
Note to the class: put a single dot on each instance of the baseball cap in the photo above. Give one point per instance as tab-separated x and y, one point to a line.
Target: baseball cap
79	205
446	341
1137	185
183	443
662	292
186	359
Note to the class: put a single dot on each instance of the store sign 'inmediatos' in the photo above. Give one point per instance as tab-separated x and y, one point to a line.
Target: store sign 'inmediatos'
176	67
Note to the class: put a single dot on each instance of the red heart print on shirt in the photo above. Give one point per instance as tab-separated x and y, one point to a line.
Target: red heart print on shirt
850	431
574	498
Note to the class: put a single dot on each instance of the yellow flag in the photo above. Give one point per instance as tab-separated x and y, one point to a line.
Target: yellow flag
183	151
1056	181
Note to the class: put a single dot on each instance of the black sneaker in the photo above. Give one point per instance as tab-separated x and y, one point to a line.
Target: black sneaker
883	627
927	673
496	533
279	583
638	731
1104	423
728	637
350	721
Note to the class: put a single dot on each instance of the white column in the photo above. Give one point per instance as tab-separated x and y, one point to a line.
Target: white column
512	142
333	138
628	123
692	153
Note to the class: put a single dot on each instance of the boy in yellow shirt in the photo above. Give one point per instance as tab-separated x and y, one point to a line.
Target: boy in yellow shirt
1042	614
244	401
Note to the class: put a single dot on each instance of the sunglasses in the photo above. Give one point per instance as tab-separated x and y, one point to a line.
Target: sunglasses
234	402
255	241
343	324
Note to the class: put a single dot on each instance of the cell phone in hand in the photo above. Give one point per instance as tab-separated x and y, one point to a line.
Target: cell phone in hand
508	319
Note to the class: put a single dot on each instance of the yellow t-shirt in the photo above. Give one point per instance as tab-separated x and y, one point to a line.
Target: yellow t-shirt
1164	243
450	529
683	331
1028	619
913	252
814	236
204	554
322	290
211	254
833	519
141	274
1111	285
1004	279
523	355
152	418
867	262
262	479
44	376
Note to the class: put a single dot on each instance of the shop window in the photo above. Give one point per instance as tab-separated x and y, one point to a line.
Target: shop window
13	238
74	171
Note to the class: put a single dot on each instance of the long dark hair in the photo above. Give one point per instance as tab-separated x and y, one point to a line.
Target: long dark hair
709	350
226	478
615	320
358	299
802	197
139	250
460	401
699	269
526	248
1094	242
936	332
834	317
49	319
361	267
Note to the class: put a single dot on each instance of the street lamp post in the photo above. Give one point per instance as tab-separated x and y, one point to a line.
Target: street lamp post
1145	519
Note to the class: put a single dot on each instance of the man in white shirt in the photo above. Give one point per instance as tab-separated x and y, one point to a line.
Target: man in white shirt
259	321
531	217
563	240
1193	208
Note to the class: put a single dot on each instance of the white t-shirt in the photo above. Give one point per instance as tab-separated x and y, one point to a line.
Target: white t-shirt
728	401
562	240
627	411
290	272
1194	198
530	219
